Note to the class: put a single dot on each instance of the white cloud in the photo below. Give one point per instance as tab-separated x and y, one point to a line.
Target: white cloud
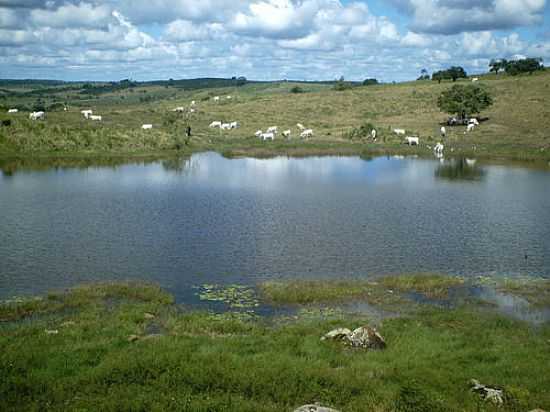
72	15
457	16
185	30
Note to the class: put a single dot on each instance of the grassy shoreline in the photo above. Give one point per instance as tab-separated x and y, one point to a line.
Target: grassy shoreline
126	346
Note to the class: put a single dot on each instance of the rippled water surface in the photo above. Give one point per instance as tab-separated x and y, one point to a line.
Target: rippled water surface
211	219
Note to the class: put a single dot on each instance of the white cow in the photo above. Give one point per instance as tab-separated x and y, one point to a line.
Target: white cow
475	79
412	140
470	127
179	109
96	118
300	126
439	148
373	134
306	133
191	110
193	102
471	162
259	133
287	133
216	98
272	129
37	115
229	97
235	125
268	136
226	126
147	126
443	131
399	131
215	124
86	113
473	120
13	111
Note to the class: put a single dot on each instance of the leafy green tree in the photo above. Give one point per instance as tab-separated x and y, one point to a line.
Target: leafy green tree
464	100
370	82
497	65
528	65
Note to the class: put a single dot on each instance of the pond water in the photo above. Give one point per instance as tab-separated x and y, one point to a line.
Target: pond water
209	219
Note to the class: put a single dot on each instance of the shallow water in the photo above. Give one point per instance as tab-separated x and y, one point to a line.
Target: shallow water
214	220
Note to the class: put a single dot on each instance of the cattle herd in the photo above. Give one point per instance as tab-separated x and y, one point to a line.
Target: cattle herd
272	131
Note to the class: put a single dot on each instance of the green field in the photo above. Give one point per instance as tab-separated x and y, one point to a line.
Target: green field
127	347
517	127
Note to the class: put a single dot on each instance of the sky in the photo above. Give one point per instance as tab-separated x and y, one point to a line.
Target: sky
390	40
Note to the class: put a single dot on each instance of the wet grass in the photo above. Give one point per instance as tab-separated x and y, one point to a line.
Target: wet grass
431	285
535	291
220	362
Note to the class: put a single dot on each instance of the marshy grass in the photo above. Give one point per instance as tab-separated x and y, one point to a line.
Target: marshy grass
430	285
201	361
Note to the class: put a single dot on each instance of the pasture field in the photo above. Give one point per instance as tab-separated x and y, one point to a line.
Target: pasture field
517	127
127	346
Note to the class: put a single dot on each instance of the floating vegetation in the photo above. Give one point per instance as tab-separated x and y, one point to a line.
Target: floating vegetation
234	296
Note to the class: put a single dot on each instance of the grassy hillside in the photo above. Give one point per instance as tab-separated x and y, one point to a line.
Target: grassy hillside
517	126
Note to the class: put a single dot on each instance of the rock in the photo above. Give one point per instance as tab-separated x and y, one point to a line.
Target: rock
68	323
367	338
494	395
51	332
337	334
133	338
148	316
314	408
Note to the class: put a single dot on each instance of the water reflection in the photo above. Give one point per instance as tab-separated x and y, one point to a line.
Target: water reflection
209	219
460	169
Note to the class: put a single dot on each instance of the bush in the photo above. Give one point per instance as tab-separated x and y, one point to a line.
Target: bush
297	89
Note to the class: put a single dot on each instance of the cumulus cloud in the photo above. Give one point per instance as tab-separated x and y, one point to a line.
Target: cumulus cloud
457	16
185	30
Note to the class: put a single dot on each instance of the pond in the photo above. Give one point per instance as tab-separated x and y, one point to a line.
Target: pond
208	219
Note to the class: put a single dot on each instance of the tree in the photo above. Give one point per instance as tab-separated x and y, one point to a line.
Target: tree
370	82
341	84
424	75
496	65
464	101
457	72
528	65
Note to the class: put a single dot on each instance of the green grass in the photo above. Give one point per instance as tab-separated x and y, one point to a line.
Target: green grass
516	129
205	362
431	285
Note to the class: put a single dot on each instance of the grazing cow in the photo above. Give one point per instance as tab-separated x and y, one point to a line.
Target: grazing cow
226	126
272	129
399	131
191	110
470	127
300	126
373	134
229	97
439	148
471	162
86	113
37	116
475	79
259	133
179	109
193	102
306	133
216	98
234	125
96	118
268	136
287	133
412	140
13	111
147	126
474	121
215	124
443	131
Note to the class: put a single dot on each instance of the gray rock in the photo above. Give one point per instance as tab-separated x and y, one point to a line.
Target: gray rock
148	316
337	334
493	395
133	338
314	408
367	338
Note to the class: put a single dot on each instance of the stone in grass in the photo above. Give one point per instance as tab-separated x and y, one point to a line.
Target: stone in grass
337	334
148	316
488	394
51	331
364	337
133	338
314	408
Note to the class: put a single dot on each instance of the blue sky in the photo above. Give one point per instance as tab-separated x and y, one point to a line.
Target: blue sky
264	39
